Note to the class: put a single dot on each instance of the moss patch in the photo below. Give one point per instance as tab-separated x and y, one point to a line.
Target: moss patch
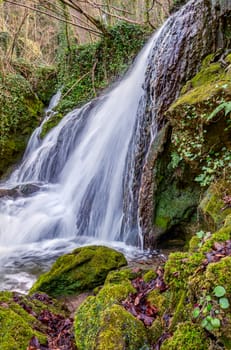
101	323
187	337
79	271
18	320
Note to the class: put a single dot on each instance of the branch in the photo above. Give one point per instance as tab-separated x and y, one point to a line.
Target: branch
91	19
75	83
111	14
53	16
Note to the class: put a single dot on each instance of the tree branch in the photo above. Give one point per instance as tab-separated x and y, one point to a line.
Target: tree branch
54	16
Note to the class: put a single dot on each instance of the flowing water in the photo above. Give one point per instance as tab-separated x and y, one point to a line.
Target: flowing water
84	173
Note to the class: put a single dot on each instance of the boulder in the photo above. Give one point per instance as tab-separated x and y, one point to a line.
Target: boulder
102	323
82	270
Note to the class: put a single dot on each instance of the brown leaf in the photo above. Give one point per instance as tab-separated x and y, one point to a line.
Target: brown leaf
34	344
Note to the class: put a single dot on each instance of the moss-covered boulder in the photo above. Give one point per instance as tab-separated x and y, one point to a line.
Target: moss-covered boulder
82	270
102	323
19	319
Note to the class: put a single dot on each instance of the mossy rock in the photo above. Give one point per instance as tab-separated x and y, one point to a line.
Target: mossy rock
121	330
179	267
17	326
200	121
102	323
124	274
82	270
16	331
212	205
188	336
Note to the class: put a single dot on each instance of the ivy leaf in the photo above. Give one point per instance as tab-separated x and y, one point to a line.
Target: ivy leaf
196	312
204	323
209	327
215	322
200	234
219	291
224	303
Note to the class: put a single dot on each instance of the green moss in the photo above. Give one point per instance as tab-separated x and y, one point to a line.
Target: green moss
201	124
88	319
221	235
228	58
179	267
124	274
159	300
15	332
149	275
219	274
176	194
156	330
17	326
212	204
180	312
20	113
193	244
188	336
120	330
216	274
174	206
81	270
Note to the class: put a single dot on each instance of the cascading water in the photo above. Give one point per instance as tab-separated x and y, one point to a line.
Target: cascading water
86	173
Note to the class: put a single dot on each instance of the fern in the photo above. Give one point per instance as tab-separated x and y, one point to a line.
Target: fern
224	105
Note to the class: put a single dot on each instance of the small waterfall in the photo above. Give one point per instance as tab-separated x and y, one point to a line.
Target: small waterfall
88	169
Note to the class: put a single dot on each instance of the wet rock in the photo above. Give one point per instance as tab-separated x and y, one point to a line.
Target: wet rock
23	190
82	270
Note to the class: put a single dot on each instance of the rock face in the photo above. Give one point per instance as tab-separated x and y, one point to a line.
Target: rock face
79	271
201	28
197	148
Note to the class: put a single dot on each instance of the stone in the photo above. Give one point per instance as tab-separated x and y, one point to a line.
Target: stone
79	271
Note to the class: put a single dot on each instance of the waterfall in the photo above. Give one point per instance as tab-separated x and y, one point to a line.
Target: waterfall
87	170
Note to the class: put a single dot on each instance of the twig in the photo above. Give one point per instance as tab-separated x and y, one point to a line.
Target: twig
77	81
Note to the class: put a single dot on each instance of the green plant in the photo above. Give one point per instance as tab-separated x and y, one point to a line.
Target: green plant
210	310
175	159
203	236
226	106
